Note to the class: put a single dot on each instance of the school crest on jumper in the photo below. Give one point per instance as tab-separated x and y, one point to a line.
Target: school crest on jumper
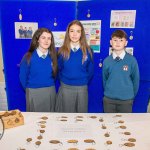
125	68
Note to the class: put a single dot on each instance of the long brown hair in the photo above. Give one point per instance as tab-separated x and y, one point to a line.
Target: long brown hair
34	45
65	48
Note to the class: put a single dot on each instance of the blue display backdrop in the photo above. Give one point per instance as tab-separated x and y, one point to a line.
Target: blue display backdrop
101	10
44	13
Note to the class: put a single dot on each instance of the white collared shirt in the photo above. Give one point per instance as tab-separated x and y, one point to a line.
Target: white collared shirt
114	55
40	54
76	47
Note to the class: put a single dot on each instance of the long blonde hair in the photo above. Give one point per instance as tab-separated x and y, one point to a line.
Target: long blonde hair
65	48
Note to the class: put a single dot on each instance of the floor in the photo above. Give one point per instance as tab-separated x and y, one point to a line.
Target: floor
3	98
148	109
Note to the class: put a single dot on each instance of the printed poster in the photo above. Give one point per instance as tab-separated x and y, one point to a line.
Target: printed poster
122	19
127	49
93	33
59	38
25	30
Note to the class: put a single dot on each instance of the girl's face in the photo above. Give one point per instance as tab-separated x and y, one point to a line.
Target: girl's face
44	41
75	33
118	44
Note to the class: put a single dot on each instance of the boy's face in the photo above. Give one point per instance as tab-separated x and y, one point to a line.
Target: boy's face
118	44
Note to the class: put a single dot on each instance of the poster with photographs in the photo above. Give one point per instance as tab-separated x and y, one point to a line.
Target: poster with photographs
93	33
25	30
122	19
127	49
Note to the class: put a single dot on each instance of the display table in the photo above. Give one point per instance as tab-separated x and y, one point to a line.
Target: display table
70	131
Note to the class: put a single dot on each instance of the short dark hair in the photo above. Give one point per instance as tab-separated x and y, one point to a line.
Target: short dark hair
119	34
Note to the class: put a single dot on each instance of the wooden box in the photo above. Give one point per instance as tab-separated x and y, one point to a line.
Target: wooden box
12	118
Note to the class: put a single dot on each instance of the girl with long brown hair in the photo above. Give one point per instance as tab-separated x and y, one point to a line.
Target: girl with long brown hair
75	64
38	69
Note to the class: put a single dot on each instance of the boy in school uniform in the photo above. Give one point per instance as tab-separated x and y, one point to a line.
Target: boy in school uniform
120	76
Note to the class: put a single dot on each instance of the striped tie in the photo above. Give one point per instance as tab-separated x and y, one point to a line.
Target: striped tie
74	49
43	56
117	58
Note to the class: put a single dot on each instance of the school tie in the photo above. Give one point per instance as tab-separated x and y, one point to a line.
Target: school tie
117	58
43	56
74	49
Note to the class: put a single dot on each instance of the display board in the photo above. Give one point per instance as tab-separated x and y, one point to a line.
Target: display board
137	11
43	13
